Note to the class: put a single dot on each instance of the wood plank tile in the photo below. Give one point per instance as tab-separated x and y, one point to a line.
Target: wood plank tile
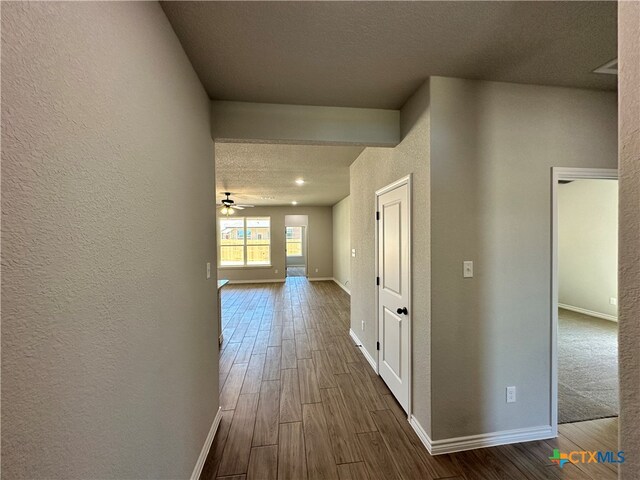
360	417
323	369
341	430
268	415
353	471
263	463
302	346
233	385
320	462
364	386
379	464
309	390
288	354
292	463
290	405
233	477
244	352
235	458
272	364
253	377
402	451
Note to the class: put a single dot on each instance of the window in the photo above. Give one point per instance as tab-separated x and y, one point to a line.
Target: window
245	241
294	241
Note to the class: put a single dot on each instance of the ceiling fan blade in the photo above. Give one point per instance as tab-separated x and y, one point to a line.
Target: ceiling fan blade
238	207
245	206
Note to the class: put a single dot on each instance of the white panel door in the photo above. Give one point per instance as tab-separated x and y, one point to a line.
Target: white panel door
394	309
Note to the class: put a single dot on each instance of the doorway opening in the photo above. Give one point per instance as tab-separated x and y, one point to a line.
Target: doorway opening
584	295
296	247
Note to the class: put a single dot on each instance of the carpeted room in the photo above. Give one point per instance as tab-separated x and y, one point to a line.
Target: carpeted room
587	297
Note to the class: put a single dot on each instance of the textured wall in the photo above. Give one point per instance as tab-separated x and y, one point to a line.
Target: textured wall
375	168
109	352
319	244
588	245
342	242
493	145
629	280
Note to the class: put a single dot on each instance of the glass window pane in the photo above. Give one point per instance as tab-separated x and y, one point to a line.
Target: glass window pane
231	255
258	231
258	255
232	231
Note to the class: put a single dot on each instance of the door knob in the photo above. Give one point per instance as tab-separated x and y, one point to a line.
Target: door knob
403	311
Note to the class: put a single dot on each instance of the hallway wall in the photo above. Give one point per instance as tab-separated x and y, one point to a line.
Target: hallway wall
342	242
492	149
411	156
109	351
629	276
319	245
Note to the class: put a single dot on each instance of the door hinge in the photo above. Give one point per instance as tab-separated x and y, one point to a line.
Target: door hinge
377	280
377	345
377	215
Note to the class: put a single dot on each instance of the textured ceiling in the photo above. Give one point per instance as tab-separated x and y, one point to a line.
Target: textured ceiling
375	54
252	171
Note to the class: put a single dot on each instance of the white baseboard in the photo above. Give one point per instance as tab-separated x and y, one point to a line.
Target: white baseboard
320	279
591	313
197	470
459	444
268	280
364	351
341	286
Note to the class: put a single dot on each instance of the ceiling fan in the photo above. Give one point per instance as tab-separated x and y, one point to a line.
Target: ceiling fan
229	206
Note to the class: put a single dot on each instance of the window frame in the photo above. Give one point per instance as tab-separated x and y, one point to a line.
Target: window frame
244	242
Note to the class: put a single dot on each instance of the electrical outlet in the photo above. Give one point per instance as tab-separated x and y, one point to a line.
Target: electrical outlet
208	270
362	324
613	301
276	270
316	270
511	394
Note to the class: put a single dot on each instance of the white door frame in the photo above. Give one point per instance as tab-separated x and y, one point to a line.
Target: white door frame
557	174
398	183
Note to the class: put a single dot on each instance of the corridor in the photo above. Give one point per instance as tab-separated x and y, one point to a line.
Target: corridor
300	401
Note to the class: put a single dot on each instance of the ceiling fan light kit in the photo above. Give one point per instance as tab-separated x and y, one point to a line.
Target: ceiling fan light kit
229	207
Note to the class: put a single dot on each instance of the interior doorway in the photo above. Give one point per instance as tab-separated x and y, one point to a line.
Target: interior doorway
296	245
584	295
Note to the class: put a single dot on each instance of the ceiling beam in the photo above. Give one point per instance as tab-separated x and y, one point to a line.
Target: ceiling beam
303	124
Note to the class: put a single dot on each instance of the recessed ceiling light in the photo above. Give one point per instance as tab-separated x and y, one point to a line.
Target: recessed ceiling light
294	203
610	67
300	181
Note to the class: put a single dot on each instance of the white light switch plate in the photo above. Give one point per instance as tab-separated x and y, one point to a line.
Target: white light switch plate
467	269
353	252
208	270
511	394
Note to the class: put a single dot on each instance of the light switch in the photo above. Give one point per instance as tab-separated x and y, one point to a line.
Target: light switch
208	270
467	269
353	252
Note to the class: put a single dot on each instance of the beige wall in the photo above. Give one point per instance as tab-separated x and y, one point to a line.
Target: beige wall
319	244
493	145
588	245
342	242
109	357
373	169
629	277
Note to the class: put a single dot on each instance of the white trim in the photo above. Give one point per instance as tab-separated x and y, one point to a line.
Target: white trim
591	313
342	286
557	174
320	279
365	352
406	180
471	442
267	280
197	470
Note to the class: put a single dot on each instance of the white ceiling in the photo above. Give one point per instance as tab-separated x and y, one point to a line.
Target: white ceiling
375	54
253	171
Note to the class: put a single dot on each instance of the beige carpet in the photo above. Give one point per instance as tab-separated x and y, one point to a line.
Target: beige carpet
587	367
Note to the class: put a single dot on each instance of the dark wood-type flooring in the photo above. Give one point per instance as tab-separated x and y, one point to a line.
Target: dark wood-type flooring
300	402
